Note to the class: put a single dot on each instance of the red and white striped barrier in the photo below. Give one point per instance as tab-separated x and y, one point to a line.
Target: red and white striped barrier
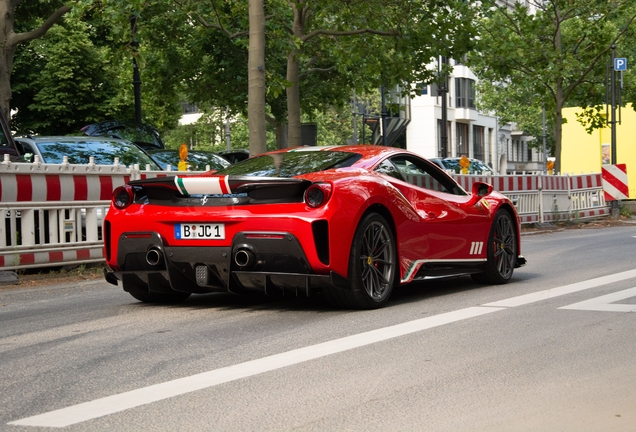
548	198
615	182
53	213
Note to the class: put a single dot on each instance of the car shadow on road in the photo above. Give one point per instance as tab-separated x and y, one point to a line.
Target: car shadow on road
417	291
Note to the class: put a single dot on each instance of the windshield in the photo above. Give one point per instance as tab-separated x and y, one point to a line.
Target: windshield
104	152
197	161
291	163
475	166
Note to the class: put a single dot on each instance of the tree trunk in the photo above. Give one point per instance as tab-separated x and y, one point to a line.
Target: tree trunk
293	91
558	96
6	65
280	126
256	79
6	57
558	125
281	135
9	40
293	101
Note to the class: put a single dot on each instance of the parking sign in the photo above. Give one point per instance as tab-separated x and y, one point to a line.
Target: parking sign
620	64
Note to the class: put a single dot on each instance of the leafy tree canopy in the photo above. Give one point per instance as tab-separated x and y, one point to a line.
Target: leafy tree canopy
555	56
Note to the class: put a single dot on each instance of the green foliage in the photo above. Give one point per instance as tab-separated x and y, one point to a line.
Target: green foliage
555	57
625	211
198	51
63	81
208	133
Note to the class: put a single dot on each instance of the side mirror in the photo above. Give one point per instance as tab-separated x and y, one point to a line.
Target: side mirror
479	190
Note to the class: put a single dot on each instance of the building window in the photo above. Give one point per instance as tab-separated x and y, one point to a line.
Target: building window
478	143
462	139
464	93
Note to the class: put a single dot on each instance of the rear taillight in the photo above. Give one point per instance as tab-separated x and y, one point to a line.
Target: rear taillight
318	194
123	196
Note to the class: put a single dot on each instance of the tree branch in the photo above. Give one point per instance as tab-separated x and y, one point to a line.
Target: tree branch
206	24
314	70
15	38
321	32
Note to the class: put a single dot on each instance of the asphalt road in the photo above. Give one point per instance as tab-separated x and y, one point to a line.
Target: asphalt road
553	350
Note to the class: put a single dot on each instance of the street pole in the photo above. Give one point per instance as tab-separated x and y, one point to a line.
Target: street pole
613	120
383	117
136	77
545	153
355	119
443	90
615	211
227	127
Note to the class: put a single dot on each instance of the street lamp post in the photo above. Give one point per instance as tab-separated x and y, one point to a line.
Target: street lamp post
443	91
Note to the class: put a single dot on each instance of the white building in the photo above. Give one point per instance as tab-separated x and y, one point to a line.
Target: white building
469	132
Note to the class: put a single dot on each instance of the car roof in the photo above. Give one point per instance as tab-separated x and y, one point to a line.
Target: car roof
78	139
130	127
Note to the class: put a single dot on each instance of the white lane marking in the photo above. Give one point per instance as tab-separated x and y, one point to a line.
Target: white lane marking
603	303
123	401
563	290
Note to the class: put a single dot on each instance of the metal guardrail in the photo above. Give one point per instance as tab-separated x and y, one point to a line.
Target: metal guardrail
53	213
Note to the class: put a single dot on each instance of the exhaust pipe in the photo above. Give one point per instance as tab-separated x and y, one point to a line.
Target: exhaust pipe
154	257
245	258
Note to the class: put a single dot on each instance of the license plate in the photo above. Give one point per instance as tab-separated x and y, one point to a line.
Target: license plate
198	231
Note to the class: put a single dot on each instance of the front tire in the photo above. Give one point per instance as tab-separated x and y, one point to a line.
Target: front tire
501	251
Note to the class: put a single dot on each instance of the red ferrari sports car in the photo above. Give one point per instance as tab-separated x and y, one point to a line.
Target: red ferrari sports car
350	222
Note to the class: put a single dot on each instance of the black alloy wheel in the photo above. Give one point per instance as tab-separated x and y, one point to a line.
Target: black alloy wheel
372	264
501	251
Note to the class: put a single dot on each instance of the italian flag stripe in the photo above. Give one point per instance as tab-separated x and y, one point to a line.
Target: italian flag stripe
202	185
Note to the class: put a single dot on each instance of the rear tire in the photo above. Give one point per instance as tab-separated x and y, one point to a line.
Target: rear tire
501	251
139	290
372	264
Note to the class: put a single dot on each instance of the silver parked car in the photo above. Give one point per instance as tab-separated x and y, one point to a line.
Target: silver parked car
79	149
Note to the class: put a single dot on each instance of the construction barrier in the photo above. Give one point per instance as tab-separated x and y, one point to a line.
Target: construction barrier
53	213
545	198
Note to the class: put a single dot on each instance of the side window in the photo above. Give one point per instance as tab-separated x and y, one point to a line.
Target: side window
424	174
389	169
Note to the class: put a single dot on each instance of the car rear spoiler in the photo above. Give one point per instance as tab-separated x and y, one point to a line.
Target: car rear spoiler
225	185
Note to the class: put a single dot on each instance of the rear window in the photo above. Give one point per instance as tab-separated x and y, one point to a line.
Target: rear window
291	163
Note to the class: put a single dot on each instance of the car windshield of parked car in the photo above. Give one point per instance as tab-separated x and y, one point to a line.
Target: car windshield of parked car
104	152
291	163
475	166
197	161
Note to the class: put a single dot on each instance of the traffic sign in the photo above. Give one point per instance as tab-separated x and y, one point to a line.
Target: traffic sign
620	64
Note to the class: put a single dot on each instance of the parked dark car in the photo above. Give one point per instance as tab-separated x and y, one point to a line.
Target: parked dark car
52	149
197	160
7	145
145	136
